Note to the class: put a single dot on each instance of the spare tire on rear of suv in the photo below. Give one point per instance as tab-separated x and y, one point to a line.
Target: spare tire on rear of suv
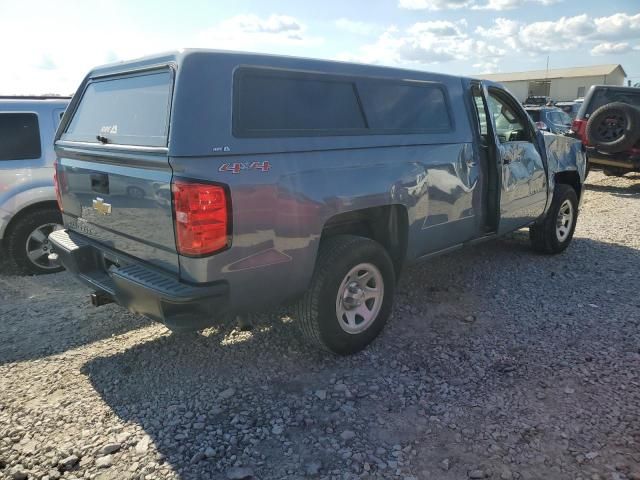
614	127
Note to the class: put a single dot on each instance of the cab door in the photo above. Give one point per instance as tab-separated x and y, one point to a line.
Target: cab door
523	183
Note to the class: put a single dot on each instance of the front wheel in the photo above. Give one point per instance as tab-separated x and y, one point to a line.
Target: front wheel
553	234
350	297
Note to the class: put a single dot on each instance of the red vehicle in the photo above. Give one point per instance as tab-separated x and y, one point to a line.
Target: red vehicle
608	124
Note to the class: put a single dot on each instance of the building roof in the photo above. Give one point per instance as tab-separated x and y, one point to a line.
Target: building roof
591	71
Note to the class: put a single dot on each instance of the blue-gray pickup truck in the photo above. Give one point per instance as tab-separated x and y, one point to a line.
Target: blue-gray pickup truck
199	185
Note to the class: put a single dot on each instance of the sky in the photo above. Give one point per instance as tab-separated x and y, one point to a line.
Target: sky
48	47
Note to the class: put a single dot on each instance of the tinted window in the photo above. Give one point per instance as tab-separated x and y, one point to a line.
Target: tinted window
276	103
19	136
400	108
302	104
131	110
603	96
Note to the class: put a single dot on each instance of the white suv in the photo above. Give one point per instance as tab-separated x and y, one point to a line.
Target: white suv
28	207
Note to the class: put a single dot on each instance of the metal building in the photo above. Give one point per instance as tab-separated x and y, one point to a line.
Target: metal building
561	84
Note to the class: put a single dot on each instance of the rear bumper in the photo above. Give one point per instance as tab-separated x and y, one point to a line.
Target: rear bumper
624	160
138	287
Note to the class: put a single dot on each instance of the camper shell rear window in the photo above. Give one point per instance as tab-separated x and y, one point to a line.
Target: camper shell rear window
124	110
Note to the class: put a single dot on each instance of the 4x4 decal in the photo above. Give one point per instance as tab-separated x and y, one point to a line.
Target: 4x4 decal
237	167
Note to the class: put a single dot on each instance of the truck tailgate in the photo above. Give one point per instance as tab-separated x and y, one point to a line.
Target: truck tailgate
122	201
113	166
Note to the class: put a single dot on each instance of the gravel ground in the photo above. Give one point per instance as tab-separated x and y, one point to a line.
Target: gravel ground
497	363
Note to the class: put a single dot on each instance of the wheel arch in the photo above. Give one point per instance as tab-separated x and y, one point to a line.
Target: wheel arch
571	178
26	211
387	225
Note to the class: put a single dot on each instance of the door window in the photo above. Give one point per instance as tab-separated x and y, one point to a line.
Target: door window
510	125
481	113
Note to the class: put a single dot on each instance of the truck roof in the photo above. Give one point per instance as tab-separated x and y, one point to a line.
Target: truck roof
189	55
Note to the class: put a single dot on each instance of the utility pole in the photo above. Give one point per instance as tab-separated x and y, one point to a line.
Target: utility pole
546	76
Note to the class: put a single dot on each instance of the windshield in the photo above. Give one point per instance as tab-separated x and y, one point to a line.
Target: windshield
559	118
131	110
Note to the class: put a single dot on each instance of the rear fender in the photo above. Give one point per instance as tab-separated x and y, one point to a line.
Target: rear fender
15	201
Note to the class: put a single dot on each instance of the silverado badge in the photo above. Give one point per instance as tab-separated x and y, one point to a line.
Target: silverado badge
100	206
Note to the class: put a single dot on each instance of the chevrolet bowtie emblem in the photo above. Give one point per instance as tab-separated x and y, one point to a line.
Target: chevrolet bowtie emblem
101	207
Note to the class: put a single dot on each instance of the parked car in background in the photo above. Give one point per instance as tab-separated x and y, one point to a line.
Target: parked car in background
537	100
295	180
28	208
550	119
570	108
608	124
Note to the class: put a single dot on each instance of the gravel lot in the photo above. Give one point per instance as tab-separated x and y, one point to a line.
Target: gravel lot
498	363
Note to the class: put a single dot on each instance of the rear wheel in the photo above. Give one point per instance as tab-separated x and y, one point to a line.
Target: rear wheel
27	241
350	297
554	233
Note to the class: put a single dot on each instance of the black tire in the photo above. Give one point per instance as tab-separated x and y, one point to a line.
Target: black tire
18	234
316	312
614	127
544	234
614	172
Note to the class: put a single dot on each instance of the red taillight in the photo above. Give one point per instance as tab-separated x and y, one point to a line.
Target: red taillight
57	184
201	213
579	127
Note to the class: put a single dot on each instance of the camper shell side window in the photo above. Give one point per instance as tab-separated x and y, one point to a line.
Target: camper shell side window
284	103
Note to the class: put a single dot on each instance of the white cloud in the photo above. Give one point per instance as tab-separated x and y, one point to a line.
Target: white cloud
354	26
251	32
561	34
511	4
474	4
46	59
565	33
618	26
435	4
439	41
426	43
608	48
489	66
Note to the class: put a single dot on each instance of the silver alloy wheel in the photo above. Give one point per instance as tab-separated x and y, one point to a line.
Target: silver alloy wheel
38	246
564	222
359	298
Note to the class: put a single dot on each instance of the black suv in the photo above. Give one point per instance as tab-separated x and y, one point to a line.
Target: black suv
608	124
